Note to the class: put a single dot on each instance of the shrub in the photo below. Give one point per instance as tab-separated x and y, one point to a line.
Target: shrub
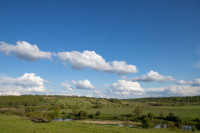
193	128
82	114
98	106
146	123
91	116
172	117
171	125
179	125
98	113
150	115
114	100
161	115
74	112
138	110
198	126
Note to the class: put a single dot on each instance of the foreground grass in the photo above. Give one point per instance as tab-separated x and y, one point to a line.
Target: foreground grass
16	124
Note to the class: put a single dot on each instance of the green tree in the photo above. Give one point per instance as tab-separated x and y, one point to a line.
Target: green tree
161	115
138	111
82	114
179	125
193	129
146	123
198	126
98	113
91	116
56	113
74	112
171	125
150	115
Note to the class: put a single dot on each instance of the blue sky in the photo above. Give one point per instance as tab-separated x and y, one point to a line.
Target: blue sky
158	42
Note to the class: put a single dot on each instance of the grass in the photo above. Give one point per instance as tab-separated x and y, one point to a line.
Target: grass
185	112
16	124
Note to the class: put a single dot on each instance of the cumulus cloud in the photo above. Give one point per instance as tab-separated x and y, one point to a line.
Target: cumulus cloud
77	60
195	82
85	84
125	89
153	76
90	59
24	50
26	84
67	87
173	90
131	89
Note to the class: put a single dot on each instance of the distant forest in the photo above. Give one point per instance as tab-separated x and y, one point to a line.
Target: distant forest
162	101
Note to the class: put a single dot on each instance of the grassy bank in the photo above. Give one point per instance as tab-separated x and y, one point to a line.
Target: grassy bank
16	124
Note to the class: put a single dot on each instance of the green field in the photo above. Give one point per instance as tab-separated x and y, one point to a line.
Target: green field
16	124
16	113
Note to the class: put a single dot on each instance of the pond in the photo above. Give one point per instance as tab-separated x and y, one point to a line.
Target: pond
160	126
120	125
185	127
164	125
62	119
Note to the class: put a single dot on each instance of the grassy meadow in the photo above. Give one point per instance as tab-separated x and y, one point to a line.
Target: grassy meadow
18	114
17	124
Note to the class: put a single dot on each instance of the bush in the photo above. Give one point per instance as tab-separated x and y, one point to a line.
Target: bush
172	117
91	116
193	129
138	111
82	114
198	126
146	123
161	115
74	112
98	113
150	115
179	125
98	106
171	125
113	100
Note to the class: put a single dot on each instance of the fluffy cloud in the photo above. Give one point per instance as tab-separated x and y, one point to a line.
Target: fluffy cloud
29	83
67	86
125	89
85	84
77	60
195	82
24	50
90	59
153	76
173	90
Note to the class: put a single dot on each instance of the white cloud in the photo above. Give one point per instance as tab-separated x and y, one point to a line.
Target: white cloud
98	93
67	86
24	50
77	60
10	93
85	84
153	76
195	82
125	89
29	83
174	90
90	59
